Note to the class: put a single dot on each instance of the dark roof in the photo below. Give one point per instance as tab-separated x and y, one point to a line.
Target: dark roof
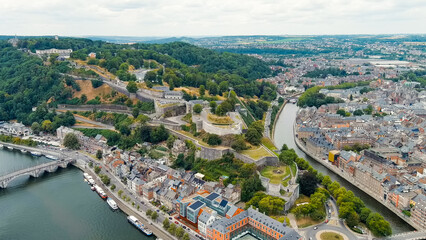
223	203
212	196
196	205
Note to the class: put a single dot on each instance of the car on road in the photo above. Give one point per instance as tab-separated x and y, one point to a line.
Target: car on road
315	228
170	218
184	227
177	222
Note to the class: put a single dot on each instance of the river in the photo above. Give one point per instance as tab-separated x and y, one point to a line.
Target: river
284	134
57	205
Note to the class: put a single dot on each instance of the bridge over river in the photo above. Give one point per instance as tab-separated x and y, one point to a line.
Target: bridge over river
35	171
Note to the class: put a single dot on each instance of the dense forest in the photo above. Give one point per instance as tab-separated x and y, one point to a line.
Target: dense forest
24	83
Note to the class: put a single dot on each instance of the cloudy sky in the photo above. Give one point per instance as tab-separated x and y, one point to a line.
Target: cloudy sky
210	17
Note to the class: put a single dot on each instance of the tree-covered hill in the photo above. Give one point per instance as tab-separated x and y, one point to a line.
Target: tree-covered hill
24	82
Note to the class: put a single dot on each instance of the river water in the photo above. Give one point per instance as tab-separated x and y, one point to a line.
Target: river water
284	134
55	206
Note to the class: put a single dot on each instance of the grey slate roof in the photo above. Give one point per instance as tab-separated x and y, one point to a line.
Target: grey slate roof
289	233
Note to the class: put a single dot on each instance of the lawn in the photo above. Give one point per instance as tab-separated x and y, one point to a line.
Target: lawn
293	169
281	219
219	119
304	222
275	174
302	199
269	144
257	153
285	182
331	236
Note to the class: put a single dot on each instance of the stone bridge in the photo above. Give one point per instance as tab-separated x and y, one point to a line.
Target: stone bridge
35	171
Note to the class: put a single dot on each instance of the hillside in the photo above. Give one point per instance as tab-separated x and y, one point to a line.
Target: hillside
26	81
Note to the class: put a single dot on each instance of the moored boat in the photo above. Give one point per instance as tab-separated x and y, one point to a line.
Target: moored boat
37	154
9	147
93	188
51	157
1	146
100	192
112	203
135	222
23	151
91	181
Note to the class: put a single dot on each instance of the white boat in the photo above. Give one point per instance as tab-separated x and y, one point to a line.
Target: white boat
37	154
135	222
91	181
112	203
23	151
1	146
51	157
100	192
10	148
93	188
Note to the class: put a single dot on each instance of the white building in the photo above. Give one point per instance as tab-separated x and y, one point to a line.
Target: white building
206	219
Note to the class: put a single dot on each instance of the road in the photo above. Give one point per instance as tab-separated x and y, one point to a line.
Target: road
144	204
82	163
98	124
334	224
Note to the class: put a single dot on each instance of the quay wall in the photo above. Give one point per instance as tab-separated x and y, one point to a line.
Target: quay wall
354	182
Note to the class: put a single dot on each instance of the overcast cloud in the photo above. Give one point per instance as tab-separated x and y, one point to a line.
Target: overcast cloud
210	17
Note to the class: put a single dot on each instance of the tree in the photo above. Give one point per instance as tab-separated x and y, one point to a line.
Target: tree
46	125
71	141
166	223
97	169
326	181
378	225
135	112
154	215
172	229
36	128
213	139
132	87
202	90
197	108
83	98
239	144
288	156
308	183
120	192
253	136
179	232
284	147
170	141
149	212
99	154
112	187
368	110
351	98
186	236
358	112
249	187
365	212
341	112
171	85
213	106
